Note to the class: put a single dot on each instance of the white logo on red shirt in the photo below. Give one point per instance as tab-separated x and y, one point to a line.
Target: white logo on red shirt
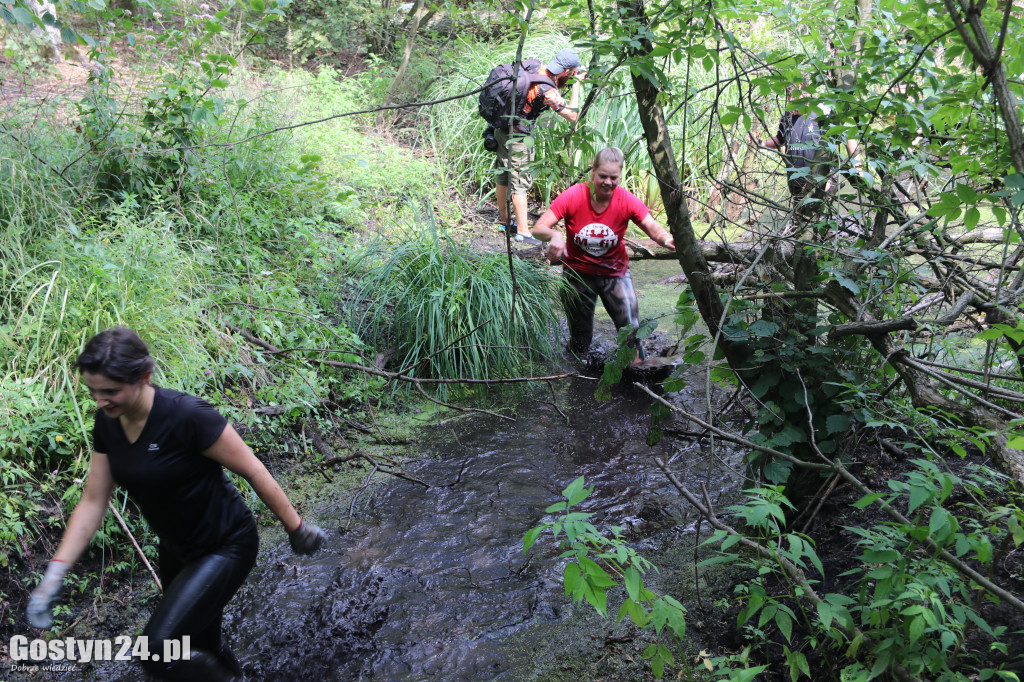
596	239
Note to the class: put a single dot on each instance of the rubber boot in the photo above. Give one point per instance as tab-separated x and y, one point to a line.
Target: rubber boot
202	666
227	657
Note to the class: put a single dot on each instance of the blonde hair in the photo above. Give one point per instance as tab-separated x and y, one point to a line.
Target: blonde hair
608	155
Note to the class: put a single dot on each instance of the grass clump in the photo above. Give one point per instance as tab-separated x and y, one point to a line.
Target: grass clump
443	310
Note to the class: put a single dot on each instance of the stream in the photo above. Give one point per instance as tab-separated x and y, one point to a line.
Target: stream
427	579
432	582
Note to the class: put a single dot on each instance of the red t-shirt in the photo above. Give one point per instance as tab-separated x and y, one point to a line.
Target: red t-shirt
594	241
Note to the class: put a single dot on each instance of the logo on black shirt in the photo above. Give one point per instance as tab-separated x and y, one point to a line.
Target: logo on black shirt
153	447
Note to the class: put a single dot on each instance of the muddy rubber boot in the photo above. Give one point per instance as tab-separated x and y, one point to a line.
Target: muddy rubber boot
202	666
227	657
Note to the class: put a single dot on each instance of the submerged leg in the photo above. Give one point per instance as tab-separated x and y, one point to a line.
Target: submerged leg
579	302
193	605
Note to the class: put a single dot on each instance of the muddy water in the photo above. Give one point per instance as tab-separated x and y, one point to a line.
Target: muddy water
427	580
432	583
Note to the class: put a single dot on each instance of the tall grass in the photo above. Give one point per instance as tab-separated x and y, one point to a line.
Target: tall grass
446	310
253	242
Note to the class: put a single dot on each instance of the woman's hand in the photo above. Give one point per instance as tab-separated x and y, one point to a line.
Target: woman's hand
307	538
40	604
544	229
556	249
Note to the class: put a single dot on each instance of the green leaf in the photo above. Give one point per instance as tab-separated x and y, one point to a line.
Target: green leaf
594	574
747	674
939	524
24	17
213	27
632	580
825	614
918	496
797	664
531	537
576	493
785	624
847	282
867	500
763	328
837	423
880	573
971	218
571	578
880	556
915	628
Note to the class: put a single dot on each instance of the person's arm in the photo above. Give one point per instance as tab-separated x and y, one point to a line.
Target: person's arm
231	452
544	230
82	526
853	146
88	513
570	112
656	232
856	160
777	141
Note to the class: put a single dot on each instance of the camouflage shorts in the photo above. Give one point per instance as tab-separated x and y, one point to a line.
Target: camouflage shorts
513	161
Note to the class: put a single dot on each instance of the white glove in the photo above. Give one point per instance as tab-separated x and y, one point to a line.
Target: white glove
40	614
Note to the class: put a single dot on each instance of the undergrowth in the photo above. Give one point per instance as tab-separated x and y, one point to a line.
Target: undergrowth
444	310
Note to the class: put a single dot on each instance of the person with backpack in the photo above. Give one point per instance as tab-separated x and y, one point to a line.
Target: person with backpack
534	88
810	166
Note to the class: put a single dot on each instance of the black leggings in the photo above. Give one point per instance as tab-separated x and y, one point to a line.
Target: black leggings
616	293
196	592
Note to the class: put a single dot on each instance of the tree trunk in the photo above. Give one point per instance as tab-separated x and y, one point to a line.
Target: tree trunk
414	26
688	249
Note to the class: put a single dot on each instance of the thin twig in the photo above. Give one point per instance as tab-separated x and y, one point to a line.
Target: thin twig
248	336
124	527
460	409
355	495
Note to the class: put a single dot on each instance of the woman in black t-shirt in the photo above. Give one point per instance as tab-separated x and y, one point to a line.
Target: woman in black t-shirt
167	449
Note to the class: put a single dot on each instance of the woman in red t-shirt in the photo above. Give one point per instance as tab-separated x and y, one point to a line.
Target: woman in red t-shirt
593	251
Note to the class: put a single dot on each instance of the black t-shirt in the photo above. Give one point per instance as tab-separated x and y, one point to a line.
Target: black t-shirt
186	497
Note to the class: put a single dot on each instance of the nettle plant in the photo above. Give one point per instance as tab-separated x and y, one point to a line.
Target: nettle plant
141	155
601	562
598	562
904	607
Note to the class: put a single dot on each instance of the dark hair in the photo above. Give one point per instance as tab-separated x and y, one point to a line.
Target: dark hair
117	353
608	155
